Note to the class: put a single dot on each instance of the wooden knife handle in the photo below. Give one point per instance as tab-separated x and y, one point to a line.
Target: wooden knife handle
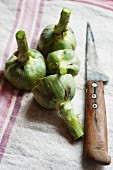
95	140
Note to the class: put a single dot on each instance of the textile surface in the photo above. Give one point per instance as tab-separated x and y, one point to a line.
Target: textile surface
31	137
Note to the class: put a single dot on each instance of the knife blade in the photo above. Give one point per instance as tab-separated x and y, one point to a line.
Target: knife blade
95	139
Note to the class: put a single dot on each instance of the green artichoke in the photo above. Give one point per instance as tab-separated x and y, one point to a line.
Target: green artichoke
26	66
63	62
57	37
55	92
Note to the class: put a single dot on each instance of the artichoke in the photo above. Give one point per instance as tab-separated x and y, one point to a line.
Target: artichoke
55	92
63	62
26	66
57	37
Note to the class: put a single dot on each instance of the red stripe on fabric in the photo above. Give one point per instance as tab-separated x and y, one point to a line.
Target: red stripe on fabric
6	91
11	122
27	23
6	87
1	76
95	4
21	27
6	54
6	96
1	73
14	114
9	92
37	28
25	14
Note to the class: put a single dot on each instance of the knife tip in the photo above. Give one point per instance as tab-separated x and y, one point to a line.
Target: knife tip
88	25
89	33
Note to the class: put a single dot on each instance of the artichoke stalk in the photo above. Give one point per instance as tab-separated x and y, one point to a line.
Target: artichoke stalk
63	62
55	92
26	66
57	37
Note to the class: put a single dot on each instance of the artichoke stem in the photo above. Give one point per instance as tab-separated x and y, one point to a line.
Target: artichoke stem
63	22
71	120
22	45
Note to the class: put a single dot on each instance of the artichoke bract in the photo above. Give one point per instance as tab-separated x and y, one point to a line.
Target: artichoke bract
63	62
26	66
57	37
55	92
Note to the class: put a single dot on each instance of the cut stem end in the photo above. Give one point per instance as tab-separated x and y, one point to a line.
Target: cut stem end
67	11
20	35
71	120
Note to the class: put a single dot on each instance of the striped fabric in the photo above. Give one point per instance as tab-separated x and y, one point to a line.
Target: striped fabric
32	16
106	4
28	17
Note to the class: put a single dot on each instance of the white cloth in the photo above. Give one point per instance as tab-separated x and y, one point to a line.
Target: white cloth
33	138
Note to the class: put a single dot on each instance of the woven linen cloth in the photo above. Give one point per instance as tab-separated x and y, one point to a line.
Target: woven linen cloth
31	137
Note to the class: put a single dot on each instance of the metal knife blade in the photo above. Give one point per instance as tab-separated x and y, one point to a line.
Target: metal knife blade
94	70
95	139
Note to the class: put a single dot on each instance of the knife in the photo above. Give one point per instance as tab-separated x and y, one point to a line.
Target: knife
95	139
